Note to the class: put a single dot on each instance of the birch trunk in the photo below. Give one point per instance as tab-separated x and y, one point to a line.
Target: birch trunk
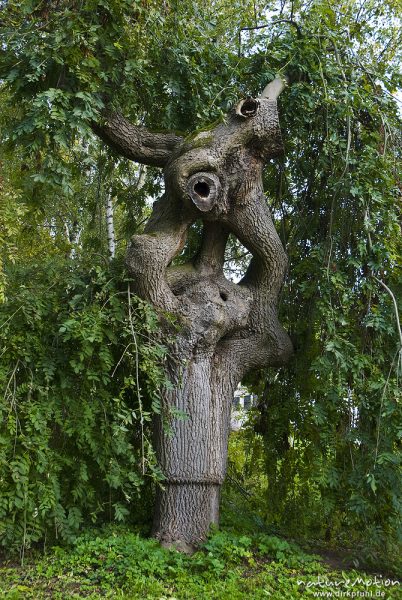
111	239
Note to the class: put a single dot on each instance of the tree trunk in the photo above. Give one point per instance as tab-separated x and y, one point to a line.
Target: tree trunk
192	448
111	238
225	329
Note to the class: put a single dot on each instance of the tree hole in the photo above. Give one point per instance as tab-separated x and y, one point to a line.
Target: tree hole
202	189
249	107
223	295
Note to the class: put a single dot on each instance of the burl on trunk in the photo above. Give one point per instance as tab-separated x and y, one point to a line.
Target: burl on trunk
226	329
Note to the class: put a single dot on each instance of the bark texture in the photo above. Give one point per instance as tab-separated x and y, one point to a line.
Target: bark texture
226	329
136	143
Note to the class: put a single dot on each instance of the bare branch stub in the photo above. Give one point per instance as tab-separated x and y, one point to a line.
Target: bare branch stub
226	328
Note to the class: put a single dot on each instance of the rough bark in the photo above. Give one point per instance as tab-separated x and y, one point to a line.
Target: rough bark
226	329
135	142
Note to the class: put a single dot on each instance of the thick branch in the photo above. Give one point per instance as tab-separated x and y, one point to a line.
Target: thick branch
211	256
150	253
267	342
135	142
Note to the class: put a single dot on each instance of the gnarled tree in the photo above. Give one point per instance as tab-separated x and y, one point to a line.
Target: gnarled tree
226	329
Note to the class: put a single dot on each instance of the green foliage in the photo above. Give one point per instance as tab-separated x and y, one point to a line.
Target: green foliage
70	448
331	420
323	458
61	60
11	213
118	563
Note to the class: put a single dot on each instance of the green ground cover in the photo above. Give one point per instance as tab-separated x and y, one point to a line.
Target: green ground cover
119	563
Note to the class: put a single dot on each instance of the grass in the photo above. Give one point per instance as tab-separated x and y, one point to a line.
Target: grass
118	563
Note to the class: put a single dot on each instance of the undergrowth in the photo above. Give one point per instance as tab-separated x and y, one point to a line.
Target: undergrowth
119	563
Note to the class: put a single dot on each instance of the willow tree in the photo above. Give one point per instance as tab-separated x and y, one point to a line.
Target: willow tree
225	329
